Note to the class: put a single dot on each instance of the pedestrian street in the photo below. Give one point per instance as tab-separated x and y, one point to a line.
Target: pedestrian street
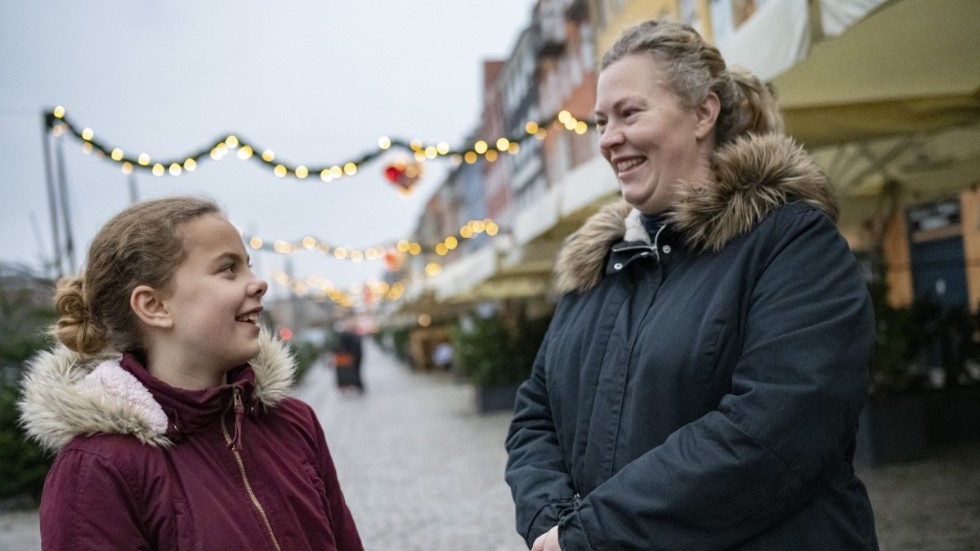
420	467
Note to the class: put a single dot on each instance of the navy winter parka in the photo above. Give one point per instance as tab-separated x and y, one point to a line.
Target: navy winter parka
701	390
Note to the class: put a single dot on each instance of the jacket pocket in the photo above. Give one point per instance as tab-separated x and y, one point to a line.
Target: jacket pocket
183	528
718	356
313	476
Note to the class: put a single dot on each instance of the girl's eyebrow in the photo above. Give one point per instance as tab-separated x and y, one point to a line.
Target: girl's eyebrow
232	256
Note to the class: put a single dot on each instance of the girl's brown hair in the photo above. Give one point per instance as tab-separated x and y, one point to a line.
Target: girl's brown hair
141	245
696	68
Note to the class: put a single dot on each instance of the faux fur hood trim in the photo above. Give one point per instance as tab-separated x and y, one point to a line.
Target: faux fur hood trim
66	395
752	177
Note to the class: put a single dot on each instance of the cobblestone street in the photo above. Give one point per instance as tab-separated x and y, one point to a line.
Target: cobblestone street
423	470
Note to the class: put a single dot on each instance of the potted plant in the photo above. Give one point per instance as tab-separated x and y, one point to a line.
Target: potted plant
892	424
495	355
24	316
952	399
923	390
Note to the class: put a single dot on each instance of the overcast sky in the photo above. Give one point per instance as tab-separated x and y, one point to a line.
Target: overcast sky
316	81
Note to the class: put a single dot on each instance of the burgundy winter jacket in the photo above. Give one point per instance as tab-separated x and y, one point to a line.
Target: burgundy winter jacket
143	465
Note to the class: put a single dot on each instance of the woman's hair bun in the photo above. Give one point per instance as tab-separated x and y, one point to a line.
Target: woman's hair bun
760	108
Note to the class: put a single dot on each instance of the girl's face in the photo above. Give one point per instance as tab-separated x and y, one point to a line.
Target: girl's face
648	137
215	299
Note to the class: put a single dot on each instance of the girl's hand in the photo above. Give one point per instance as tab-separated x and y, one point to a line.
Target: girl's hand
547	541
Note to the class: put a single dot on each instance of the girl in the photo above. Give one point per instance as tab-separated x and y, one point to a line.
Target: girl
168	406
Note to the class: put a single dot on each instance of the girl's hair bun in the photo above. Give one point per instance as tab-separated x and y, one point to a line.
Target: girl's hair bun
75	327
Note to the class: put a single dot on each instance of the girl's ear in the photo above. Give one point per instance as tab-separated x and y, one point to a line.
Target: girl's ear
149	307
706	113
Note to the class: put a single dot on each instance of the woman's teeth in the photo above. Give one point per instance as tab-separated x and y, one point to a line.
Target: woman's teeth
626	165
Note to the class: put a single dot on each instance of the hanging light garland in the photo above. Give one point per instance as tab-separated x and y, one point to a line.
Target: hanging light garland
471	229
320	289
400	174
403	174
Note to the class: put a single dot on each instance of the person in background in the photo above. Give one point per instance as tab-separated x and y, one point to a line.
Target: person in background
348	355
169	406
442	356
700	384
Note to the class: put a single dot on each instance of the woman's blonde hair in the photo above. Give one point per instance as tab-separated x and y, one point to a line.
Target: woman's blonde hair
141	245
694	69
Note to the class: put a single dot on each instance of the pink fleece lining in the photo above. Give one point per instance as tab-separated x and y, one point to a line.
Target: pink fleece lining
115	382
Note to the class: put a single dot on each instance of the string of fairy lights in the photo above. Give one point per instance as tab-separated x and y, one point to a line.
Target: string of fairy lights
320	289
469	230
58	124
488	150
375	291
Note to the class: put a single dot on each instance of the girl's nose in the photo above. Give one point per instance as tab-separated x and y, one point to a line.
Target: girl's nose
259	287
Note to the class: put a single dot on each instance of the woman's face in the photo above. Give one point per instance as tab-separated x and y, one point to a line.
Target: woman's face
648	137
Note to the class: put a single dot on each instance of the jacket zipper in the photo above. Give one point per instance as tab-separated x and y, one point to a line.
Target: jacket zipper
234	444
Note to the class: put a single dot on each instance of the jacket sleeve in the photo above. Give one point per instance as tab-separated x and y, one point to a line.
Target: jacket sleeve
536	472
345	531
88	505
790	417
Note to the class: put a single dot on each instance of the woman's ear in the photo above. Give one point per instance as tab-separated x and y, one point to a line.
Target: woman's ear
149	307
707	114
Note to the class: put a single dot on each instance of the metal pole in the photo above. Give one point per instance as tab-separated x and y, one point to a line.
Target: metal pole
45	262
63	193
133	193
52	199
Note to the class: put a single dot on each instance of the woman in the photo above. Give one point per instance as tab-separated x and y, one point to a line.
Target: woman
701	381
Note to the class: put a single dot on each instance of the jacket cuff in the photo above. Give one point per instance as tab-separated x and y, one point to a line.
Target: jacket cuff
572	535
547	517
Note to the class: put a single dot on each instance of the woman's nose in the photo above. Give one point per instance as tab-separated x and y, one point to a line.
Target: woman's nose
610	137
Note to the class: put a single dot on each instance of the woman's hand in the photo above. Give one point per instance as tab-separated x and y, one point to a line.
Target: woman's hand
547	541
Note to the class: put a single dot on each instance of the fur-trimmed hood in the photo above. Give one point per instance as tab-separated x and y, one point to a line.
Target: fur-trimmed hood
753	176
66	395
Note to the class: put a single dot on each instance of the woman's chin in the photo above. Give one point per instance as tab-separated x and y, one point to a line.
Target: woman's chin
633	198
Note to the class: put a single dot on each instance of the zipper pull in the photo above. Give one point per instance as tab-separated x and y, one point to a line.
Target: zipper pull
236	440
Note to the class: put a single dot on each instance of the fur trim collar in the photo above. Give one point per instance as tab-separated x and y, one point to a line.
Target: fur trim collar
753	176
66	395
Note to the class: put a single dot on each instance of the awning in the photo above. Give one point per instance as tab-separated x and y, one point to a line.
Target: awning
571	201
463	274
781	33
912	66
540	229
895	99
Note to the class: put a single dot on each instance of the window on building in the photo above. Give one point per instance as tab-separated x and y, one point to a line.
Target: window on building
689	12
722	22
742	10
